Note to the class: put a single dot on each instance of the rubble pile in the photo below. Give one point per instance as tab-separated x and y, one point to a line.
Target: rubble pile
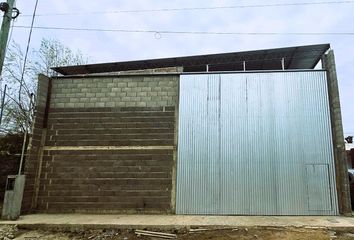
8	232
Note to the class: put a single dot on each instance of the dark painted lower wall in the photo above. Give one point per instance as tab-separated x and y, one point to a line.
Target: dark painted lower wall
99	181
107	160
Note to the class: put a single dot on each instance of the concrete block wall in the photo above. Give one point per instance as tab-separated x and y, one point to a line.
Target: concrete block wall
342	183
109	145
126	91
35	146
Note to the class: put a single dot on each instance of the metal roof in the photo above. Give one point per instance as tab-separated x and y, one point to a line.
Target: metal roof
300	57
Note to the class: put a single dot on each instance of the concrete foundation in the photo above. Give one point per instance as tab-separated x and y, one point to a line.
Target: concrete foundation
91	221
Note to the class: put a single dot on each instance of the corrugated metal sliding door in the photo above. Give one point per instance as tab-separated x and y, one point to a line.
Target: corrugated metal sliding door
255	144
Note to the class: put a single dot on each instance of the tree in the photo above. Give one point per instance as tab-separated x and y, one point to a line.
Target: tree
22	85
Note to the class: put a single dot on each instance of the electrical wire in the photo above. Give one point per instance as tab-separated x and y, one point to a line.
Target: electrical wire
27	50
195	8
184	32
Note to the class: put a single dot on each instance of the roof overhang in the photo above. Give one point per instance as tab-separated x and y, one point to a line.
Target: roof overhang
300	57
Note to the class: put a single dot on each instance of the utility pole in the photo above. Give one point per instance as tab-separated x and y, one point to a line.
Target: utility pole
7	8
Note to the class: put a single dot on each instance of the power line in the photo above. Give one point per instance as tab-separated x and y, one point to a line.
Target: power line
27	49
195	8
185	32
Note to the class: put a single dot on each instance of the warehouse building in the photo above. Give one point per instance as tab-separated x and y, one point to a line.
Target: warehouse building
244	133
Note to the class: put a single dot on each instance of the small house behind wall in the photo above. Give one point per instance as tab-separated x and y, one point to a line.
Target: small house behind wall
224	134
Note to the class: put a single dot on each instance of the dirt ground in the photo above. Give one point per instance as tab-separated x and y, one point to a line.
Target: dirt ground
12	232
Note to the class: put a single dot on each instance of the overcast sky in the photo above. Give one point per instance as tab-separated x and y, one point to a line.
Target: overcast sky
117	46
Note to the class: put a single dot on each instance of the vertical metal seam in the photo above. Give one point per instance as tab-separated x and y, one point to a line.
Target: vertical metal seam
219	139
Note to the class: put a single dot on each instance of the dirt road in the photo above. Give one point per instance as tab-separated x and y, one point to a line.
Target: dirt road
12	232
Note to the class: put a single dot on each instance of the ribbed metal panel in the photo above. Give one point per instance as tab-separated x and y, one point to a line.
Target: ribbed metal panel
255	144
